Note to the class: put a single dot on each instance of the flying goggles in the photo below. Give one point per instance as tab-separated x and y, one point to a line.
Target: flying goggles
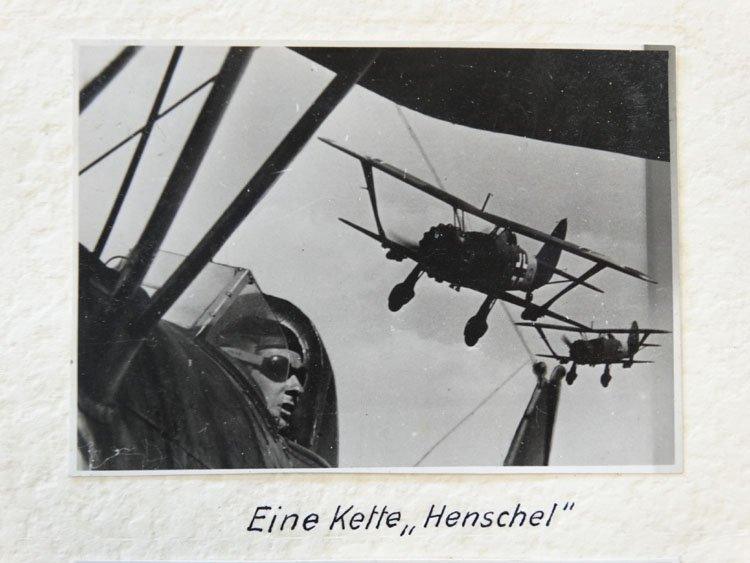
278	366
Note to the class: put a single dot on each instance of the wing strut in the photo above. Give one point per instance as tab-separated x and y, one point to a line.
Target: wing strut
94	87
595	269
367	169
183	172
263	179
569	277
544	338
135	160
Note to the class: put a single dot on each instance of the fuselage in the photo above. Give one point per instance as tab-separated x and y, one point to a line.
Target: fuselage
486	262
601	350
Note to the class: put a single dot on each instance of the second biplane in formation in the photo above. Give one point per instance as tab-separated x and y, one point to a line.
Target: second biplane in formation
492	263
603	349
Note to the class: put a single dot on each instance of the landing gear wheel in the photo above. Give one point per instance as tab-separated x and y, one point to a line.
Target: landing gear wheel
474	330
605	379
400	295
570	377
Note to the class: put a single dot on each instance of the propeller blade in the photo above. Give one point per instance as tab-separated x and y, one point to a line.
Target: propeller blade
566	340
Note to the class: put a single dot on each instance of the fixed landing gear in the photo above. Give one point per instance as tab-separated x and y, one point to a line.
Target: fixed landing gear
474	330
394	254
476	327
403	292
400	295
606	377
532	312
570	377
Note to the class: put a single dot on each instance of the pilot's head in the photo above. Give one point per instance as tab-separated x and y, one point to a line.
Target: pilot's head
273	359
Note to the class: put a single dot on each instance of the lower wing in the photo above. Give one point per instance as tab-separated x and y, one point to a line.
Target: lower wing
562	359
537	310
407	250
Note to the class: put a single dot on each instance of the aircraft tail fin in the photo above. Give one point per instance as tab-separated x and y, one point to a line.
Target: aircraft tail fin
633	339
549	255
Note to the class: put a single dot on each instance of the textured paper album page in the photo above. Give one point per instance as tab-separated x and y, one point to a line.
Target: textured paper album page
271	336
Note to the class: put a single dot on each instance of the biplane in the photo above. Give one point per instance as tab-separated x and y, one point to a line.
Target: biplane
492	263
604	349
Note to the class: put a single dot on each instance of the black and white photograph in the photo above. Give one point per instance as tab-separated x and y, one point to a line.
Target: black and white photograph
376	258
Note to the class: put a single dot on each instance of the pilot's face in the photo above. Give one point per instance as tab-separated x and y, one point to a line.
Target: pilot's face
281	395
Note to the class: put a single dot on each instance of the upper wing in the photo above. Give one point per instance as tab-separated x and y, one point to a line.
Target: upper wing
645	331
458	203
567	359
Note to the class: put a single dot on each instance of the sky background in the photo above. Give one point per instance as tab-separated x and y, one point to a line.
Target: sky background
406	379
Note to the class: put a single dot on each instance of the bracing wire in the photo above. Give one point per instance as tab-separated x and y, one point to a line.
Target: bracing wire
137	132
135	159
530	354
471	413
414	137
435	175
518	333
